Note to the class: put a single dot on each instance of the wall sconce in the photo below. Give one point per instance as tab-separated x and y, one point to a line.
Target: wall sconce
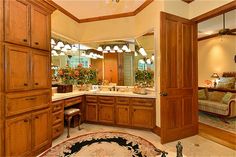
216	76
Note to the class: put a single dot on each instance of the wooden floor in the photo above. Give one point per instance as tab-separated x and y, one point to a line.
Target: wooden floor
217	135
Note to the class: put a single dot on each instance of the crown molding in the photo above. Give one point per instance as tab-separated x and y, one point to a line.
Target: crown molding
100	18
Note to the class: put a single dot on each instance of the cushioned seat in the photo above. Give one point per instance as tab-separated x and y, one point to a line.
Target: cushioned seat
214	107
69	113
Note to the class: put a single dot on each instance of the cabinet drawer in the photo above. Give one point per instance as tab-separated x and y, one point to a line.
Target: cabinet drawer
122	101
57	130
106	100
90	98
57	117
20	103
72	101
143	102
57	106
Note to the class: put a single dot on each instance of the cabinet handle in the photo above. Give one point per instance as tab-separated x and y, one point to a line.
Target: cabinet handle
25	84
134	110
31	98
26	120
36	83
57	130
24	40
126	109
36	117
57	117
36	43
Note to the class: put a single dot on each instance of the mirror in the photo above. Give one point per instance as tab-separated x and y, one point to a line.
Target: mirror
118	62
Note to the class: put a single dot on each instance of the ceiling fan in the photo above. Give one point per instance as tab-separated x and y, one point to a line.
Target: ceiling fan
226	31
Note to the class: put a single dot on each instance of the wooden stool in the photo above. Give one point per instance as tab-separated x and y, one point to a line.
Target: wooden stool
69	113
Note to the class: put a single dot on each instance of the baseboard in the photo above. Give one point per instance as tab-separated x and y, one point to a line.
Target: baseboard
157	130
217	135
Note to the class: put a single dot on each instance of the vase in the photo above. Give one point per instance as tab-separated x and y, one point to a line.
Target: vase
64	88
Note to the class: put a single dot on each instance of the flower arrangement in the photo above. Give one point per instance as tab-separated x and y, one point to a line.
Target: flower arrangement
67	75
144	78
78	75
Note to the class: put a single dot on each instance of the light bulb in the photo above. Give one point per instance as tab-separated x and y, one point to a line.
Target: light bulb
108	48
116	48
60	44
67	46
142	51
53	42
100	48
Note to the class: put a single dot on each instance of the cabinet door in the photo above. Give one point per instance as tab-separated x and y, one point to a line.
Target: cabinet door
40	69
41	129
18	136
17	22
122	115
91	112
17	68
142	116
40	25
106	113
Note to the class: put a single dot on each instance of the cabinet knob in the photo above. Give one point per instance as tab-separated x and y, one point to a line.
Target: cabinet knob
25	84
163	94
36	83
24	40
36	117
26	120
36	43
57	130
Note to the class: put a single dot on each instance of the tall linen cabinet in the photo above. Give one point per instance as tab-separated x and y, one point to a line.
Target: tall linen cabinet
25	91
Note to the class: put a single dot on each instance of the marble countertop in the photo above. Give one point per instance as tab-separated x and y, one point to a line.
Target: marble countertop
61	96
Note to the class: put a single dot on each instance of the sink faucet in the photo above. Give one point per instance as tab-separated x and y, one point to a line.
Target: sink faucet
113	88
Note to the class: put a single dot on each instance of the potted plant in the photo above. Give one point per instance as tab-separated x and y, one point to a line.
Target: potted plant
67	77
143	79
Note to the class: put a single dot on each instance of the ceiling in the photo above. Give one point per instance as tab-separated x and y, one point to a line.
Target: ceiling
213	25
83	9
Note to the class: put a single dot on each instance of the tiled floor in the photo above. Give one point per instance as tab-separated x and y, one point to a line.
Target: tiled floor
206	148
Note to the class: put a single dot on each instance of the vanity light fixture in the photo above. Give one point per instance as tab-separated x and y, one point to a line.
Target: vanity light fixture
62	54
53	42
104	51
100	48
119	51
67	46
56	48
135	54
60	44
128	50
108	48
125	48
74	48
142	51
64	49
116	48
153	57
149	61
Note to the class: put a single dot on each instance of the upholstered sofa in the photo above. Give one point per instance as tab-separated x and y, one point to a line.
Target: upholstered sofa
222	104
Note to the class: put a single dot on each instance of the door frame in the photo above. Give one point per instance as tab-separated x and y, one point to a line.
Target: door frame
211	133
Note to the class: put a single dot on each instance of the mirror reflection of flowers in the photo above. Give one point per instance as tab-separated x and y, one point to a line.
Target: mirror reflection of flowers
144	78
86	75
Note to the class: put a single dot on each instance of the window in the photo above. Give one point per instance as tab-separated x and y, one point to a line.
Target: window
75	60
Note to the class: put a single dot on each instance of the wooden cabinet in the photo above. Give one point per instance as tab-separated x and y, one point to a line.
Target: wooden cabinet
27	24
57	118
40	28
18	103
17	26
18	136
106	113
17	67
41	129
122	115
40	69
142	116
34	65
125	111
91	112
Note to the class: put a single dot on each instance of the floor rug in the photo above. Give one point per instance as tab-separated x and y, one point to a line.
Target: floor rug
104	144
214	121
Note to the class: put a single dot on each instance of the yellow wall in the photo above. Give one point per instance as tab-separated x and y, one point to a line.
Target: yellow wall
215	55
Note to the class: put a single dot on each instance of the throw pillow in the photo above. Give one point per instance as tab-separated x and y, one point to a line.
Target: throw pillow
202	94
227	97
226	82
216	96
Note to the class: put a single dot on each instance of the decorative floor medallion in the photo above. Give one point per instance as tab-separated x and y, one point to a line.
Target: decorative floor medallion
104	144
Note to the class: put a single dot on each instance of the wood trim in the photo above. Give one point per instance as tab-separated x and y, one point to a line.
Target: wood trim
157	130
217	135
100	18
213	35
188	1
215	12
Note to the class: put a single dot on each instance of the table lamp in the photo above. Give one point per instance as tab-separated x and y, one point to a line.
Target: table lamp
216	76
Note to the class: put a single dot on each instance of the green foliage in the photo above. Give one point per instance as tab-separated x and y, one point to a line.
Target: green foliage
144	78
79	75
